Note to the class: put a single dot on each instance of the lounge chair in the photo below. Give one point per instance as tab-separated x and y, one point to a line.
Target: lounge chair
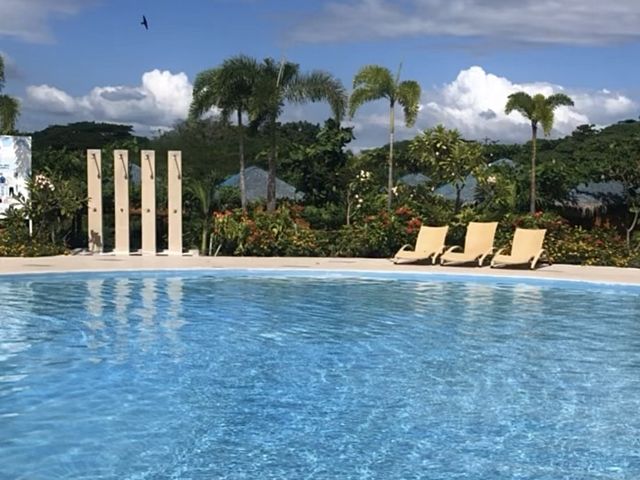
478	244
429	244
526	248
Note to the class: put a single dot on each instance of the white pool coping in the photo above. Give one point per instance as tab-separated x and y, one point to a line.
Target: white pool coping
80	263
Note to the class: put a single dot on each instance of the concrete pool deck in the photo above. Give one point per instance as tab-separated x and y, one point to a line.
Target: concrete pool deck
77	263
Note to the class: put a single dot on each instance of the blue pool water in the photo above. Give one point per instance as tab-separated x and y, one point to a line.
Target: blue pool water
260	375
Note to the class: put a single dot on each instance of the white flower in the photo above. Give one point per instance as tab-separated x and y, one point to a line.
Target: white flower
43	182
364	175
491	179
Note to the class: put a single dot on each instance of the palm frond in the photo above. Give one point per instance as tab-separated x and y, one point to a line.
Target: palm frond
9	111
361	96
520	102
559	99
371	82
1	73
545	117
227	87
317	86
205	92
374	75
408	95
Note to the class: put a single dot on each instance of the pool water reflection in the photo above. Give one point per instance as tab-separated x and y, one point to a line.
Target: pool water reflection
315	375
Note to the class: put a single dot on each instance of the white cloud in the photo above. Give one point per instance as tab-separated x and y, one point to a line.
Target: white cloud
162	99
28	19
474	104
536	21
51	100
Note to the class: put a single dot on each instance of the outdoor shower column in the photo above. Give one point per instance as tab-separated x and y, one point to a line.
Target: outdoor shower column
121	200
148	173
94	205
174	175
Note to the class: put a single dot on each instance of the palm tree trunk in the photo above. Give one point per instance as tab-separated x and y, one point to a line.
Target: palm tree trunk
271	178
458	203
534	132
391	137
243	185
636	214
203	244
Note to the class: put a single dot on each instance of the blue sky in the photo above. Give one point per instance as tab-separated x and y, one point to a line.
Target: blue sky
73	60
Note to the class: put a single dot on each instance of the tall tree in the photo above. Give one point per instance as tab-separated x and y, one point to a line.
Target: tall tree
536	109
9	107
318	169
278	83
623	165
230	88
373	82
447	157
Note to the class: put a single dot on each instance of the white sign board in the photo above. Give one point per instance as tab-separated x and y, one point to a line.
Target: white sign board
15	169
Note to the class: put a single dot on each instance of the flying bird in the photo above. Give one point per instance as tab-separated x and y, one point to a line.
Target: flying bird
144	22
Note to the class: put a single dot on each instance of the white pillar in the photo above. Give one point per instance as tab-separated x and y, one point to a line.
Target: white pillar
174	174
121	201
94	192
148	185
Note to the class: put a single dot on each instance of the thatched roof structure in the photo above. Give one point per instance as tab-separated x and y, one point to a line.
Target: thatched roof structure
256	185
591	197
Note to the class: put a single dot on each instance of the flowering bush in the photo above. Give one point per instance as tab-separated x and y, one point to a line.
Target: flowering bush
571	244
15	240
364	197
52	206
283	232
378	235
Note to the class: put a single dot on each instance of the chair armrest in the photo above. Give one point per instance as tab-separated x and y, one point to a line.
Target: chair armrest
404	247
451	249
484	255
493	260
537	257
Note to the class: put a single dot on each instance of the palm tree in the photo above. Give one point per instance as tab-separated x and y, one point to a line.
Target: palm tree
278	83
537	109
9	107
228	87
201	192
373	82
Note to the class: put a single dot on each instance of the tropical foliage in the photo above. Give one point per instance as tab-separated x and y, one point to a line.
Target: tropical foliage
9	107
373	82
277	83
41	224
448	157
538	110
230	88
345	210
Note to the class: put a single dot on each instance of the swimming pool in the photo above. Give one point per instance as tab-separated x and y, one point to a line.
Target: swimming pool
289	375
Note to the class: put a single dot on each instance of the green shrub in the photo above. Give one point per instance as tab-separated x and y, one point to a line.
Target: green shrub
16	242
570	244
281	233
286	233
